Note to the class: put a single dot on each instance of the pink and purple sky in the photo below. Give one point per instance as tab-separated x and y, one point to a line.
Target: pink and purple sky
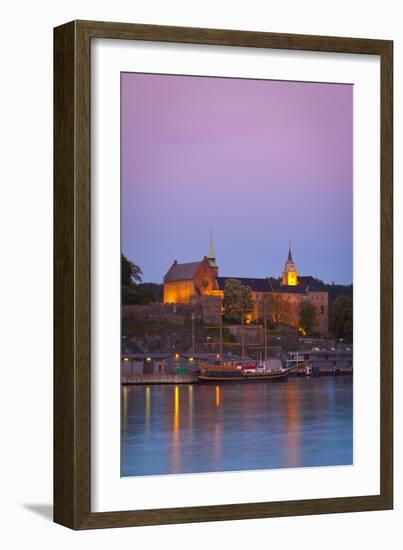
259	162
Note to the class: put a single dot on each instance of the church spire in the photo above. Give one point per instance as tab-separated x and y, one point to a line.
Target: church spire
211	247
211	256
289	259
290	274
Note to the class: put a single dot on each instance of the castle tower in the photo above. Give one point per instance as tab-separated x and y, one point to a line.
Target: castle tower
290	275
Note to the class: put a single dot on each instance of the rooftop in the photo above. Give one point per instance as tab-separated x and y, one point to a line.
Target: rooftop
305	284
181	272
256	285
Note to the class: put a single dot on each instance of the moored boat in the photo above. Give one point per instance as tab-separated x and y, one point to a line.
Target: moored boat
234	373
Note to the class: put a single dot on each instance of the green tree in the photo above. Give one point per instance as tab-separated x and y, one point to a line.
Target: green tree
307	315
131	273
341	320
132	291
135	292
237	298
278	308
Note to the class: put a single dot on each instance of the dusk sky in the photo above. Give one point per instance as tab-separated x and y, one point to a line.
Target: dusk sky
259	162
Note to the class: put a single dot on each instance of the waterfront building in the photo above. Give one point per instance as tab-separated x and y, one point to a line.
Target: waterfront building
322	362
278	299
164	363
144	363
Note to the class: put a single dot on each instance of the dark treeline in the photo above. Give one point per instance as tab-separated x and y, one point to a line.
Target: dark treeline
134	291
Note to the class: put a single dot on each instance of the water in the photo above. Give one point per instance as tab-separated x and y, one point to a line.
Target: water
214	428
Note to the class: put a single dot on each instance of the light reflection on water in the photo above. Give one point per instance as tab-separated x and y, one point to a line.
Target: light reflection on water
217	396
207	428
175	447
292	427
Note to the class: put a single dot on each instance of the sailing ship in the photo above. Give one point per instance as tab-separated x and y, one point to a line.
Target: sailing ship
244	370
237	373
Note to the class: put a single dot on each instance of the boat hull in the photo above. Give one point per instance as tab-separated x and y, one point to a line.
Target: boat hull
242	377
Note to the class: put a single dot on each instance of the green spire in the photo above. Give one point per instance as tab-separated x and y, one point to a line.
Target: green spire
211	255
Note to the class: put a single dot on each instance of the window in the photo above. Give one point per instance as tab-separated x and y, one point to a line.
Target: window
322	309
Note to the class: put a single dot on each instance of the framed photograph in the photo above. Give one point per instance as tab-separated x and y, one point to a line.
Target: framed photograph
222	275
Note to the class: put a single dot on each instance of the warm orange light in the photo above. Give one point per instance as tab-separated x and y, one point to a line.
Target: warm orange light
292	278
148	359
217	396
178	292
125	359
176	409
191	359
176	355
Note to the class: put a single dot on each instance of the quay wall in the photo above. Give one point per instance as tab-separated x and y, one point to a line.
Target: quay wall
322	371
163	378
205	309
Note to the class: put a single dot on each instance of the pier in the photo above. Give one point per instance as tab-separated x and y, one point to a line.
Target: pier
163	378
184	368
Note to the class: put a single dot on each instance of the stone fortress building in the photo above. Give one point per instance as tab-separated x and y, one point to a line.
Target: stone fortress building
278	300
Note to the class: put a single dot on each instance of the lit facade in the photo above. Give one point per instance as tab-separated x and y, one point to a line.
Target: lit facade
290	275
279	300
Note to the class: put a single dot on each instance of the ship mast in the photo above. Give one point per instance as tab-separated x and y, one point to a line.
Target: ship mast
221	343
242	335
265	332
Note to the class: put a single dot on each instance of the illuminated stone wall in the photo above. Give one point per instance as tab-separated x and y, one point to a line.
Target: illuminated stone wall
288	309
204	284
179	292
210	308
205	277
294	302
321	303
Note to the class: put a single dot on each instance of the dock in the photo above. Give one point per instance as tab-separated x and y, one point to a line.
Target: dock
160	378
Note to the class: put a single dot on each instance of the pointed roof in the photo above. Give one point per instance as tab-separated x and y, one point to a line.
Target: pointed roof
289	259
211	247
211	255
181	272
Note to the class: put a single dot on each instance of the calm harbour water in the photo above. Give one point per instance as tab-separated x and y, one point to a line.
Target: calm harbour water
208	428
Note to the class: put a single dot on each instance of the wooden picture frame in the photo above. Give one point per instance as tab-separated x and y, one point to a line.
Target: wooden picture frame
72	270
